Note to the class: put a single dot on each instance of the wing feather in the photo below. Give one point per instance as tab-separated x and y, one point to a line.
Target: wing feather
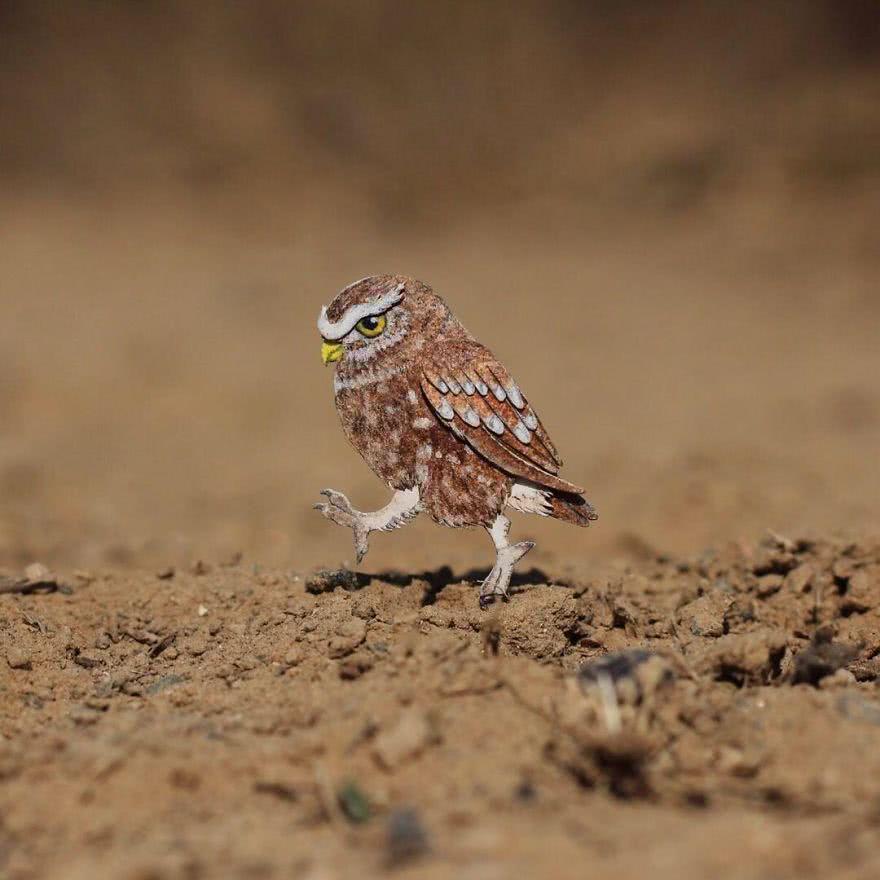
481	403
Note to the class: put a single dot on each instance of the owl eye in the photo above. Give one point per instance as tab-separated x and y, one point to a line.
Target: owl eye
371	326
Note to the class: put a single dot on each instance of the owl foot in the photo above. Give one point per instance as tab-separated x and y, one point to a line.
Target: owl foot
404	505
498	581
339	509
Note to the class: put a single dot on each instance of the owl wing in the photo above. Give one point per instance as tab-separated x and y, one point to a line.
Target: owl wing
475	396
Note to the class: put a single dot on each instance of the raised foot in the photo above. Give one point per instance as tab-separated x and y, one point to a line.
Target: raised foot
497	583
339	509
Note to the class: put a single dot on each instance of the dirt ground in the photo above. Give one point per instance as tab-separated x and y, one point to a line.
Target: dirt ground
176	710
676	251
707	716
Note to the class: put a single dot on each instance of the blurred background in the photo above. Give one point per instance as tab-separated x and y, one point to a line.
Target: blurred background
663	216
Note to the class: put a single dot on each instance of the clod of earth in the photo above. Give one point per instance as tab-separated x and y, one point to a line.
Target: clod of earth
821	658
326	580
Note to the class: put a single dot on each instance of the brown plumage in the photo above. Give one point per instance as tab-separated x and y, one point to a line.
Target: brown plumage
439	419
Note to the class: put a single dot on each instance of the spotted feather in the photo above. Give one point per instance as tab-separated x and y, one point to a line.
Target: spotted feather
482	404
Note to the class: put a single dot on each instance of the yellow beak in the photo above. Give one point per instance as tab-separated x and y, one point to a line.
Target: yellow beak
330	352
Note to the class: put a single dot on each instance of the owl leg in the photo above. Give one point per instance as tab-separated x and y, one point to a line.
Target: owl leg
404	505
507	555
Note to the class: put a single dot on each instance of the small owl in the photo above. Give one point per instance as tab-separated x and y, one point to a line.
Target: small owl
440	420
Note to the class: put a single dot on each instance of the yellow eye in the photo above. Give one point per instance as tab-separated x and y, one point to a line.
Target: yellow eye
371	326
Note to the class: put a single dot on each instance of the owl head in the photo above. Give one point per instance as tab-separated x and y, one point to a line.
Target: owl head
375	315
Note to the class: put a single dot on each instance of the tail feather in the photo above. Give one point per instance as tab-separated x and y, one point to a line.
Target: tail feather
573	509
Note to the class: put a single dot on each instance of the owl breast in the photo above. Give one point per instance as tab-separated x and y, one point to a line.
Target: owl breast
391	425
387	422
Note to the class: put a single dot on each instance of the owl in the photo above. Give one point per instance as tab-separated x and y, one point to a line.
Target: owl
440	420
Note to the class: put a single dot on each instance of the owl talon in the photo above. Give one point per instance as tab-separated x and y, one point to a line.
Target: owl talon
507	555
403	507
337	499
339	509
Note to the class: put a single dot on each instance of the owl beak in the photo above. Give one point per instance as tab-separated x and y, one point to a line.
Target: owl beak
330	352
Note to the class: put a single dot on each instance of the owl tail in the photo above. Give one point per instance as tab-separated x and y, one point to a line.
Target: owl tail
573	509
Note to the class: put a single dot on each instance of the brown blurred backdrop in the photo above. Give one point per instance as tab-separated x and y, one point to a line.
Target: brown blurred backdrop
662	215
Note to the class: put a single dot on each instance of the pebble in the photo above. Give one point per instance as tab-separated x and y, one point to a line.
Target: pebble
409	737
798	579
349	634
293	657
405	837
36	571
705	616
197	645
325	581
355	665
18	659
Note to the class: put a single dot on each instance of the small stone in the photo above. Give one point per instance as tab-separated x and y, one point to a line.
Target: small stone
860	596
18	659
247	662
83	716
36	571
197	645
705	616
405	837
769	584
436	616
98	704
737	762
349	634
799	579
102	642
822	658
740	658
409	737
87	661
202	611
356	665
165	574
293	657
325	580
838	679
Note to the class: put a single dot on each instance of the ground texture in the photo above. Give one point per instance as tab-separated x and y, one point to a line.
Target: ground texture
717	716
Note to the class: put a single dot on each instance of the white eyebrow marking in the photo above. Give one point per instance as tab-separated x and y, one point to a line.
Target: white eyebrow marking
333	331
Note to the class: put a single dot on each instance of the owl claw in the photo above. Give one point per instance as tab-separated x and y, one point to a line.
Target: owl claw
339	509
497	582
